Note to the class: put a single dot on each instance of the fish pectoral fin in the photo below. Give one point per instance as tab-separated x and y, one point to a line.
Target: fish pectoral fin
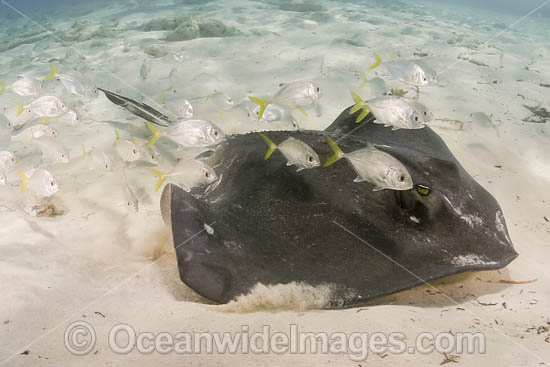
299	169
304	112
289	163
359	179
378	188
395	128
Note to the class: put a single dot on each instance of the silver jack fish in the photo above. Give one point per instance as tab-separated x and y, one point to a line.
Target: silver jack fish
295	151
375	166
293	96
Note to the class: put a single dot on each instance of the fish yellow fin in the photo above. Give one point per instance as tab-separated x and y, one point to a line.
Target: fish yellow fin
162	98
83	152
377	63
260	102
25	180
302	111
4	86
393	56
156	135
21	108
338	154
162	177
222	113
117	136
54	73
364	80
272	146
363	114
359	103
44	120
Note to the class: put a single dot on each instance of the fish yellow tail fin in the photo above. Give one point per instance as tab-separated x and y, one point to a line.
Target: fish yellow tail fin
338	154
263	105
162	177
156	135
364	80
44	120
83	152
359	105
117	137
21	108
272	146
377	63
162	97
54	73
25	180
4	86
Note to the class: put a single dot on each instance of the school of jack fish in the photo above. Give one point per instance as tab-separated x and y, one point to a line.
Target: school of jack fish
30	125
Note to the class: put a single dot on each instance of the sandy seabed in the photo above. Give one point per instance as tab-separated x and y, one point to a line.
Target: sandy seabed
100	263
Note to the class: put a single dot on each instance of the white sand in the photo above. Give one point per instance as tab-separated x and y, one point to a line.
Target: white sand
94	262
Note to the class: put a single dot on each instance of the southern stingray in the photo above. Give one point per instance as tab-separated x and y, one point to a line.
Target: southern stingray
264	222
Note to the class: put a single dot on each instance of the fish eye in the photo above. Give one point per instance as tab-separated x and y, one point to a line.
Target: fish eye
52	183
134	151
310	159
206	174
423	190
215	133
416	118
401	178
317	89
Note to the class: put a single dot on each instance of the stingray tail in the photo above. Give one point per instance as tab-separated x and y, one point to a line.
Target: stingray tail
272	146
377	63
25	180
53	74
21	108
359	105
260	102
162	177
338	153
156	134
4	86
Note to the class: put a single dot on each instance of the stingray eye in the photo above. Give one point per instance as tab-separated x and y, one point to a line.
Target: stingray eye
423	190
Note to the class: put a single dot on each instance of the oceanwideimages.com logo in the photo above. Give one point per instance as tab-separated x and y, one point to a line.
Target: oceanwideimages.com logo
80	339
